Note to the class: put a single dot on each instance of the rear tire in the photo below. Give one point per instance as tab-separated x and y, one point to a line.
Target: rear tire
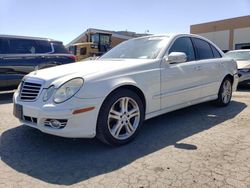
120	117
225	93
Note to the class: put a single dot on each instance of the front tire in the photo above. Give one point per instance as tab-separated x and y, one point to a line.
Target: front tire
120	117
225	93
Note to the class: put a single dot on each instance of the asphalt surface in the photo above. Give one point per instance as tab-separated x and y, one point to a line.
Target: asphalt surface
199	146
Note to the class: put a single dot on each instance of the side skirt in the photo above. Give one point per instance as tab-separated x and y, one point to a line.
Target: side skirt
177	107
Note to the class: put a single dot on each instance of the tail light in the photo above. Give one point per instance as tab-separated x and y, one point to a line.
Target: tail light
73	57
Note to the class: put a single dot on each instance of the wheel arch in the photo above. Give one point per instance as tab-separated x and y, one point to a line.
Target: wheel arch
132	87
230	77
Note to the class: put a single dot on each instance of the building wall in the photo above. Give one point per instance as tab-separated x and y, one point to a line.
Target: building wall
241	36
220	38
225	33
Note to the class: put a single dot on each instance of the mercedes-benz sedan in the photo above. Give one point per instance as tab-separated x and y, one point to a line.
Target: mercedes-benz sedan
139	79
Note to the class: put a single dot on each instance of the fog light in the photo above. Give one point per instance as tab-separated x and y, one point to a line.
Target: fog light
55	123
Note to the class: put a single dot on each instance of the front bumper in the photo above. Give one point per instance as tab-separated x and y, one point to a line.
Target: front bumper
244	77
236	81
81	125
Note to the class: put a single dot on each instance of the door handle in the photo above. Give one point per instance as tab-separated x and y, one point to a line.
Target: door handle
197	68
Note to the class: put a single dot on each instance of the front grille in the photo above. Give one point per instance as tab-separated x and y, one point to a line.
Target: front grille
30	91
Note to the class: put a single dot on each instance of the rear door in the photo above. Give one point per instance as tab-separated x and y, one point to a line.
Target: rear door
18	60
60	55
209	66
4	77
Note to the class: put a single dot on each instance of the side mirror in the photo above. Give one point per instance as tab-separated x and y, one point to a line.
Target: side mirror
176	57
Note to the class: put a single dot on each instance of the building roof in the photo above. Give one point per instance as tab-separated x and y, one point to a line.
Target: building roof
224	20
232	23
118	34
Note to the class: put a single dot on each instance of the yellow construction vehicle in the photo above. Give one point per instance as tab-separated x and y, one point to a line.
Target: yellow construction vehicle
96	45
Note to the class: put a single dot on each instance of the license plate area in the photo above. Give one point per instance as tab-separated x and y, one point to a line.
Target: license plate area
18	111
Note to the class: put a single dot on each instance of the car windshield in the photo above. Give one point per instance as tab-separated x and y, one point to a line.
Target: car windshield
239	55
141	48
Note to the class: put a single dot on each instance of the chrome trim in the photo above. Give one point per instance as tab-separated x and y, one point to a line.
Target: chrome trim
31	89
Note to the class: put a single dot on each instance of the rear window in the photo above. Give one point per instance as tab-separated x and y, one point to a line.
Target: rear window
44	46
215	52
3	46
59	48
203	50
22	46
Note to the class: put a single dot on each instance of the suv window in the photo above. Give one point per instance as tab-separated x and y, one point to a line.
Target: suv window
203	49
183	44
215	52
22	46
44	46
59	48
3	46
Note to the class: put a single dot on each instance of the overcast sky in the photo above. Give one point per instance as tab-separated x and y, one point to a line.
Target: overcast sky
66	19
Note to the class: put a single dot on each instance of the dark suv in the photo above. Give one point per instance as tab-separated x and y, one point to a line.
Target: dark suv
21	55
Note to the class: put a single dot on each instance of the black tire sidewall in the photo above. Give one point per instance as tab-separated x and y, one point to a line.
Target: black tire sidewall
102	130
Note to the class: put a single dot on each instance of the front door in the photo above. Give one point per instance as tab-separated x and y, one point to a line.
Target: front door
180	82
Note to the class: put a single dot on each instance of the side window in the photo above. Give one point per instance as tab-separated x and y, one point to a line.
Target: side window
22	46
203	50
215	52
183	44
3	46
43	46
83	51
59	48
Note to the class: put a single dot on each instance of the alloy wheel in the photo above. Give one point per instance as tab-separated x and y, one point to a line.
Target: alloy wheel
227	91
123	118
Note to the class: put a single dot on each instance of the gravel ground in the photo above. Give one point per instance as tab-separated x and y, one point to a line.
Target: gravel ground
199	146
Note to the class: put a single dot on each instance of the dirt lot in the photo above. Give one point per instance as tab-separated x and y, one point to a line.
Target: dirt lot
200	146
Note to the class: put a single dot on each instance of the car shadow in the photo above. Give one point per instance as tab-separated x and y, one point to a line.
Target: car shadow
64	161
6	97
243	88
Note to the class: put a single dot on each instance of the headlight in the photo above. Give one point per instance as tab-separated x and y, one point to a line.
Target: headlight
18	90
68	90
48	93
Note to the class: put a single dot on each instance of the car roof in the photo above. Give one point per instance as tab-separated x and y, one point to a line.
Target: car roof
173	35
241	50
27	37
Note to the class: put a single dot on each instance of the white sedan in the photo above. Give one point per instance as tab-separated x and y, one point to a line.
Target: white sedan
242	57
139	79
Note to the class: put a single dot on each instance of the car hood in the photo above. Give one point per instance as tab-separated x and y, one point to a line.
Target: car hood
60	74
243	64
